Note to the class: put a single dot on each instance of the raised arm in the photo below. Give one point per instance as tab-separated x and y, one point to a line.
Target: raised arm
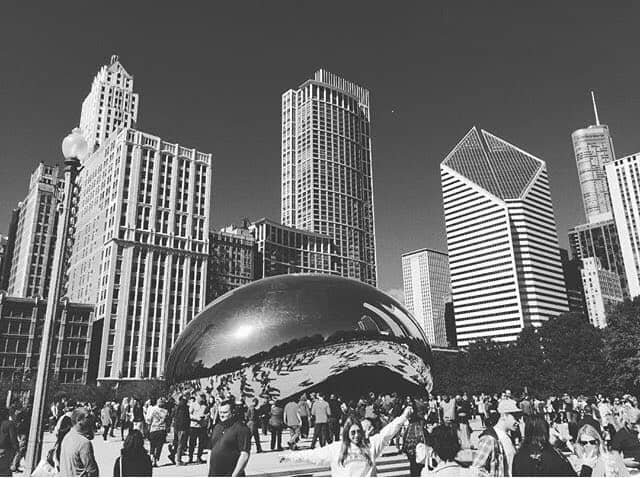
318	456
382	439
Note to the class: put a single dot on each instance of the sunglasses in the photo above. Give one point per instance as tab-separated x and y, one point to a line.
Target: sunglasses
589	442
355	432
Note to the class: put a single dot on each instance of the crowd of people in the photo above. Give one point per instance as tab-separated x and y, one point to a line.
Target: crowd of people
520	436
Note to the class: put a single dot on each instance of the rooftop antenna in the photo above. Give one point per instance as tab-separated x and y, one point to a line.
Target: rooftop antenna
595	108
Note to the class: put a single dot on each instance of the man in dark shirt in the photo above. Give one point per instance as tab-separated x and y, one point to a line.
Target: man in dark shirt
8	442
230	443
181	422
626	439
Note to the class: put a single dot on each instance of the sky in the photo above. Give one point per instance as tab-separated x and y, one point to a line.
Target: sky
210	75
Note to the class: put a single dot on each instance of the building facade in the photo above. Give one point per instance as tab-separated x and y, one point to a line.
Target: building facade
141	247
599	239
287	250
623	176
5	267
504	259
110	105
593	149
573	280
426	285
21	324
35	235
232	260
327	178
603	291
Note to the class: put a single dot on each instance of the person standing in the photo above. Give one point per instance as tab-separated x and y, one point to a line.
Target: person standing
22	421
253	423
293	422
134	459
157	421
8	442
198	426
230	443
304	411
448	407
321	412
125	417
181	421
463	411
137	414
334	419
415	433
276	424
76	452
495	449
105	419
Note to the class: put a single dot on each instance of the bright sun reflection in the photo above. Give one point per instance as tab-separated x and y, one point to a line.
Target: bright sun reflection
243	331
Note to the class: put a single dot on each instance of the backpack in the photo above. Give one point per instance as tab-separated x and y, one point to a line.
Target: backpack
412	436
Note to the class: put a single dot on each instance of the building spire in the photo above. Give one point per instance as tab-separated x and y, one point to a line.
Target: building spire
595	108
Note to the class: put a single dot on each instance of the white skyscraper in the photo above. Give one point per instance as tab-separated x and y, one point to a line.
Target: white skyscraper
110	105
426	284
623	177
602	290
593	148
504	259
32	257
141	247
327	179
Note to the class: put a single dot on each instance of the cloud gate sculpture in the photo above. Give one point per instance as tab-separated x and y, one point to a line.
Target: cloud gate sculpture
282	335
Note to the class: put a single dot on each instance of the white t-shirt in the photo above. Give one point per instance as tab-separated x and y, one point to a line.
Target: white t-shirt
507	446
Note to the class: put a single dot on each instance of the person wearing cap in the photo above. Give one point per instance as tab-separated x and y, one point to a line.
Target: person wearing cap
626	439
495	448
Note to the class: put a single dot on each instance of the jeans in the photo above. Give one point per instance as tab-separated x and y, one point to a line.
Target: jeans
276	438
334	430
196	435
294	436
304	428
255	433
320	431
156	440
179	444
105	431
22	448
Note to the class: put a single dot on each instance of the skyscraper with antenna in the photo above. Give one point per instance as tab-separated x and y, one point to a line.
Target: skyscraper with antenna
593	149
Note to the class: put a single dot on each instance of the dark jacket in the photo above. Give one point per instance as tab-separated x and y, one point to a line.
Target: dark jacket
181	419
549	463
133	464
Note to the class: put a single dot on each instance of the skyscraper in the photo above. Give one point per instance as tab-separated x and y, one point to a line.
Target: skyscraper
426	284
603	289
327	179
110	105
623	176
35	235
593	148
504	257
141	247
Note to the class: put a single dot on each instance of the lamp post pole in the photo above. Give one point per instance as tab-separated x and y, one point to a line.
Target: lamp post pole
74	148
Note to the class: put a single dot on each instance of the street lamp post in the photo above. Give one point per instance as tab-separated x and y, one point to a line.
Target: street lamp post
74	149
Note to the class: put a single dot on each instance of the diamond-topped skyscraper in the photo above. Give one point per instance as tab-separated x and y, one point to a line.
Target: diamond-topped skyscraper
327	179
506	272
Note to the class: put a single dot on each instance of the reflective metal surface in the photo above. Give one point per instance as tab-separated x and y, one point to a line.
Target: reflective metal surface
290	315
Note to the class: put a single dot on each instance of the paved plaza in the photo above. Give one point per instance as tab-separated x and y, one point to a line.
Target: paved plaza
267	463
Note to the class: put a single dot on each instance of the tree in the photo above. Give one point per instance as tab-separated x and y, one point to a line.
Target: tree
622	347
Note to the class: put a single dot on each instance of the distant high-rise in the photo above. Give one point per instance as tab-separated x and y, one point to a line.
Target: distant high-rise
141	247
593	148
573	281
110	105
603	291
599	239
5	267
327	179
35	235
504	257
426	284
623	176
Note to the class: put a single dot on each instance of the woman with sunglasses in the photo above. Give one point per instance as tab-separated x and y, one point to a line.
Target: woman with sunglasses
592	458
355	454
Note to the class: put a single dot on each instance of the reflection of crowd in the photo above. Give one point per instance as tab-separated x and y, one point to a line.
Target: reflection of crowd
265	379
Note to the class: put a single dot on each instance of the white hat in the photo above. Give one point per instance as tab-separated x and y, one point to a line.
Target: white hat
508	406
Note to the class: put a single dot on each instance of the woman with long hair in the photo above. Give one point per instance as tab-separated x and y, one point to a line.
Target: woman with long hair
134	459
415	433
592	458
355	454
536	456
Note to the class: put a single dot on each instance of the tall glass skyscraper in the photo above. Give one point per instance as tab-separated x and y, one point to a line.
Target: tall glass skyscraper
327	179
504	258
593	148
